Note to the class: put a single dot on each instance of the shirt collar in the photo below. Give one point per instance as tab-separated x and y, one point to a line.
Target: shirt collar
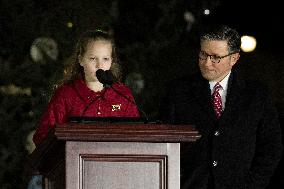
86	93
223	83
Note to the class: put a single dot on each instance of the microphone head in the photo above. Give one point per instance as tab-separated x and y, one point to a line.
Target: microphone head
105	77
109	77
101	76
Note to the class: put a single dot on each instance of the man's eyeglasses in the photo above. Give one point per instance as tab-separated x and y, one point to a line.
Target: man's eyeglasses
215	59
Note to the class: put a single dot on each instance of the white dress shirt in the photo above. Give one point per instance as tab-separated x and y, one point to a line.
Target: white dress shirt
223	91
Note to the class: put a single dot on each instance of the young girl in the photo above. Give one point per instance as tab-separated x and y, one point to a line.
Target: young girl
81	94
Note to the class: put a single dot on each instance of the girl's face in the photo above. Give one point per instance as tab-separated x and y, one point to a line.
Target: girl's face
98	55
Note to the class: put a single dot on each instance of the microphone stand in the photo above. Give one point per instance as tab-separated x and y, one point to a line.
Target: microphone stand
107	79
128	99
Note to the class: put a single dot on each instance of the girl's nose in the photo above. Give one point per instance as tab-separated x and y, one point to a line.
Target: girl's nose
98	64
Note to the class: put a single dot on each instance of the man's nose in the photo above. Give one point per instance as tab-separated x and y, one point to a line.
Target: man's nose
208	61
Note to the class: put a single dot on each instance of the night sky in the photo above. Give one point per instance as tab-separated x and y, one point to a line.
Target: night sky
261	19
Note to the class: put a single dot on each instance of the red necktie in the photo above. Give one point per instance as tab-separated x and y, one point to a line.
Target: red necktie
217	101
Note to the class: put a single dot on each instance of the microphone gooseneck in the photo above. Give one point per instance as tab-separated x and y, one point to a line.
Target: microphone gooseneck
88	105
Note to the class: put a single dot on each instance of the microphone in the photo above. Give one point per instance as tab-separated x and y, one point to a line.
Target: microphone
107	79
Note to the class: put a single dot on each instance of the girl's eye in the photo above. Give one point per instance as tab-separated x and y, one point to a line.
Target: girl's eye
96	59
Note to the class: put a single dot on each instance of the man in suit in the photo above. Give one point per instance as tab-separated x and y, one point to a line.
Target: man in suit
241	143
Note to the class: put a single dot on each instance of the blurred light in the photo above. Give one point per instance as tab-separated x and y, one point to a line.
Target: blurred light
30	146
69	24
15	90
31	113
206	11
44	49
136	82
248	43
189	19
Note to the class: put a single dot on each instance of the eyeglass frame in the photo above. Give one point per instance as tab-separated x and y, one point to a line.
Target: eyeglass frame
214	56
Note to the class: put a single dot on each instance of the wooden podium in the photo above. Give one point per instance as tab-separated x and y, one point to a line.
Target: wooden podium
112	156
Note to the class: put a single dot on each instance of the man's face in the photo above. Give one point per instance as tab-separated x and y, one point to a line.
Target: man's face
216	66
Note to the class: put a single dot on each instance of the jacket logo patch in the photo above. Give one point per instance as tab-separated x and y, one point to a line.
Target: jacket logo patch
115	107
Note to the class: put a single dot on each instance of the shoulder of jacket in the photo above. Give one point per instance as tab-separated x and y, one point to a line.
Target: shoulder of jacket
64	89
120	86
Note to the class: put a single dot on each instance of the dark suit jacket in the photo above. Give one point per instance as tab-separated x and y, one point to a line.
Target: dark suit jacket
241	149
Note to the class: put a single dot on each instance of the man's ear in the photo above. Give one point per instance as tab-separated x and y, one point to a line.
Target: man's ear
234	58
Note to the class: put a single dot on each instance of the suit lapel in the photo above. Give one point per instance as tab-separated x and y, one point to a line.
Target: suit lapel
233	101
201	90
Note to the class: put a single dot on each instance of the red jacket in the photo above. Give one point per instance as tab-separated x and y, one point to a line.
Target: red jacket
76	99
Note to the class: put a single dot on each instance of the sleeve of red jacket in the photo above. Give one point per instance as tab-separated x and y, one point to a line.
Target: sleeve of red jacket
55	113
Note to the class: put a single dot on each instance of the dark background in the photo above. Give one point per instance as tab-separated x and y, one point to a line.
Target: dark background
260	19
153	40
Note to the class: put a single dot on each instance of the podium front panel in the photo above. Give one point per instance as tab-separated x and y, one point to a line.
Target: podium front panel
122	165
